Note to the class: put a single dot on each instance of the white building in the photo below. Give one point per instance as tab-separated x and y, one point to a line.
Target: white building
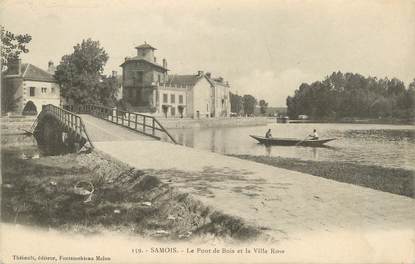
26	84
149	88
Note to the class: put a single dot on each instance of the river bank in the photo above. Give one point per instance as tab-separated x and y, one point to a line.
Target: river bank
212	122
40	192
393	180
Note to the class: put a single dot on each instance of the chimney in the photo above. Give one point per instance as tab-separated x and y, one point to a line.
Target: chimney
164	63
126	58
19	66
114	74
208	74
51	67
199	73
14	67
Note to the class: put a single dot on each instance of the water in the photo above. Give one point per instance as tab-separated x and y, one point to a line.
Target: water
382	145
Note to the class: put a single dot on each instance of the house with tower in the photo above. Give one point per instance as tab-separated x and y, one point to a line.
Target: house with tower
148	87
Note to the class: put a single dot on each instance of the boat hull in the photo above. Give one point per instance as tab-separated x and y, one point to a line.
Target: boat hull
292	141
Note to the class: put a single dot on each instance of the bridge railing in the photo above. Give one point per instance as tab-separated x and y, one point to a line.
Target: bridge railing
145	124
70	120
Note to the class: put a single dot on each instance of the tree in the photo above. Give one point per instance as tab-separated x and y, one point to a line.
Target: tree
263	106
236	103
353	95
80	75
12	46
108	90
249	103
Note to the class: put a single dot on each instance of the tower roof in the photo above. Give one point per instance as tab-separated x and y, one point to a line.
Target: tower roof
145	46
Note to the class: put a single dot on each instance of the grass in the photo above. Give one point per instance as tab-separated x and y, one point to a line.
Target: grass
393	180
40	192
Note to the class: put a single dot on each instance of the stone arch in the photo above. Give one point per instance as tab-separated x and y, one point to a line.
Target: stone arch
29	109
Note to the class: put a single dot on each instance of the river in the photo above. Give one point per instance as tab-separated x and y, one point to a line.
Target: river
383	145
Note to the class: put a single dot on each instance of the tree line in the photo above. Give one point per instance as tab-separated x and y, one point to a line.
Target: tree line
351	95
246	104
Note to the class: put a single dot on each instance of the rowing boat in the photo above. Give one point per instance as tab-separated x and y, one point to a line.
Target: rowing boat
292	141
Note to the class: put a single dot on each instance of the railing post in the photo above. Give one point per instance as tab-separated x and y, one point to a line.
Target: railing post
129	117
116	112
144	124
80	129
76	124
154	127
135	121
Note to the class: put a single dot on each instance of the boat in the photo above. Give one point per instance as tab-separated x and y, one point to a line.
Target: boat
292	141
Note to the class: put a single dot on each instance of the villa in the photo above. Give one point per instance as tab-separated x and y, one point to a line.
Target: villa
148	87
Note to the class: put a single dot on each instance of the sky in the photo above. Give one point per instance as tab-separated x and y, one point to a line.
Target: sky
264	48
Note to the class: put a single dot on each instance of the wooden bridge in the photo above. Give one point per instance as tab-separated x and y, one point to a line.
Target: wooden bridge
98	123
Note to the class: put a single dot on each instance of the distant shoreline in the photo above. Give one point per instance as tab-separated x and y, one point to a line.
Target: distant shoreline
373	121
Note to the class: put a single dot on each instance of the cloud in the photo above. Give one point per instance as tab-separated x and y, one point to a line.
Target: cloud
270	86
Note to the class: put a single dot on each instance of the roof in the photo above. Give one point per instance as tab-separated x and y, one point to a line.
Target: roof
217	82
33	73
141	59
145	46
191	80
30	72
181	80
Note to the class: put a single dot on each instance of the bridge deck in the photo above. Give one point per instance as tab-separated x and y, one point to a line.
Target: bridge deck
100	130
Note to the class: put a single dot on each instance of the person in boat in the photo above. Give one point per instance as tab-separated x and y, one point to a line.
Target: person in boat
268	134
314	136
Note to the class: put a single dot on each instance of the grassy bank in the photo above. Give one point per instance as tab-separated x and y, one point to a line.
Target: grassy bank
41	192
397	181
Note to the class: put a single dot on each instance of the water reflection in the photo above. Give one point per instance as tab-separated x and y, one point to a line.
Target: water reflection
315	153
268	150
384	145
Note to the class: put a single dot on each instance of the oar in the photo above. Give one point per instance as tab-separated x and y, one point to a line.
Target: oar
301	141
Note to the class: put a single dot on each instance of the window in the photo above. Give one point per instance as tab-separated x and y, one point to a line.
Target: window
173	111
159	78
172	98
32	91
44	89
138	77
52	90
180	99
164	98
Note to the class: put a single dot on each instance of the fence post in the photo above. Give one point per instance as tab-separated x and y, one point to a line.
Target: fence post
144	124
129	117
116	112
135	121
80	129
154	127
